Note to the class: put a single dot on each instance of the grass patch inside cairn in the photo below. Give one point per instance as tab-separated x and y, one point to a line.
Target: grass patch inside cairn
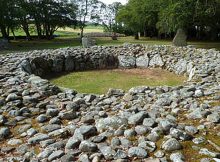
99	81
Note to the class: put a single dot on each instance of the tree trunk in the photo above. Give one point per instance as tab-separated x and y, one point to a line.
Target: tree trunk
4	32
13	33
26	29
81	32
39	30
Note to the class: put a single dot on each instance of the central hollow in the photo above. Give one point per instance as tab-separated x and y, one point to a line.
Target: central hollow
99	81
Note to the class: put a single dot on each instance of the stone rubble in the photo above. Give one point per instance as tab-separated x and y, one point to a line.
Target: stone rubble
41	122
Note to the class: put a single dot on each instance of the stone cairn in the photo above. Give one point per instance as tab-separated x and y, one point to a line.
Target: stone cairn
180	38
40	122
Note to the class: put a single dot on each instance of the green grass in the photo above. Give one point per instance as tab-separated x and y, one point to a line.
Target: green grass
71	40
99	81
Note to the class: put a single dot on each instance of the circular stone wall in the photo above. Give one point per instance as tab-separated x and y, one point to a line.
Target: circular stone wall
40	122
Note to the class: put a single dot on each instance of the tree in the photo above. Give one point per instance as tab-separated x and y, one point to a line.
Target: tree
108	18
7	20
55	14
139	16
86	10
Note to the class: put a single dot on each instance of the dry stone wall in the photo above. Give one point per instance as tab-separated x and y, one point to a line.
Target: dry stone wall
192	62
41	122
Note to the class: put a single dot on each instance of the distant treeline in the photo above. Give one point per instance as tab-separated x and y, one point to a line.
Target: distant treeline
46	15
155	18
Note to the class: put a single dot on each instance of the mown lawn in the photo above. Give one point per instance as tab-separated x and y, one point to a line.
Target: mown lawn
99	81
65	39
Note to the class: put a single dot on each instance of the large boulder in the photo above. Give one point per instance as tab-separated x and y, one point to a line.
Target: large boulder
69	63
156	61
142	61
180	38
127	61
40	66
88	42
58	63
181	66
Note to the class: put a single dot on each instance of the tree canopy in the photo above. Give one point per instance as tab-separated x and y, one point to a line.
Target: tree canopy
198	17
46	15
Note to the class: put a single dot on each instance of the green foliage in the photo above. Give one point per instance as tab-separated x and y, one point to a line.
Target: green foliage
47	15
166	16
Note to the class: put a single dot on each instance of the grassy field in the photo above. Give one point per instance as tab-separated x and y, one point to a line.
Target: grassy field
73	41
68	37
99	81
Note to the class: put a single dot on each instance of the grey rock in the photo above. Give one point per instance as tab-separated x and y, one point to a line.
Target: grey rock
4	132
141	129
137	118
52	112
69	63
205	151
159	154
148	145
199	140
125	142
214	118
115	92
37	138
72	143
15	142
129	133
88	130
83	158
197	114
12	97
199	93
180	38
181	66
55	155
149	122
115	142
107	152
31	132
156	61
191	129
22	149
153	136
50	127
179	134
137	90
86	146
41	118
68	157
142	61
171	145
165	124
177	157
68	115
120	155
127	61
57	145
110	122
45	153
137	152
74	106
47	142
88	42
